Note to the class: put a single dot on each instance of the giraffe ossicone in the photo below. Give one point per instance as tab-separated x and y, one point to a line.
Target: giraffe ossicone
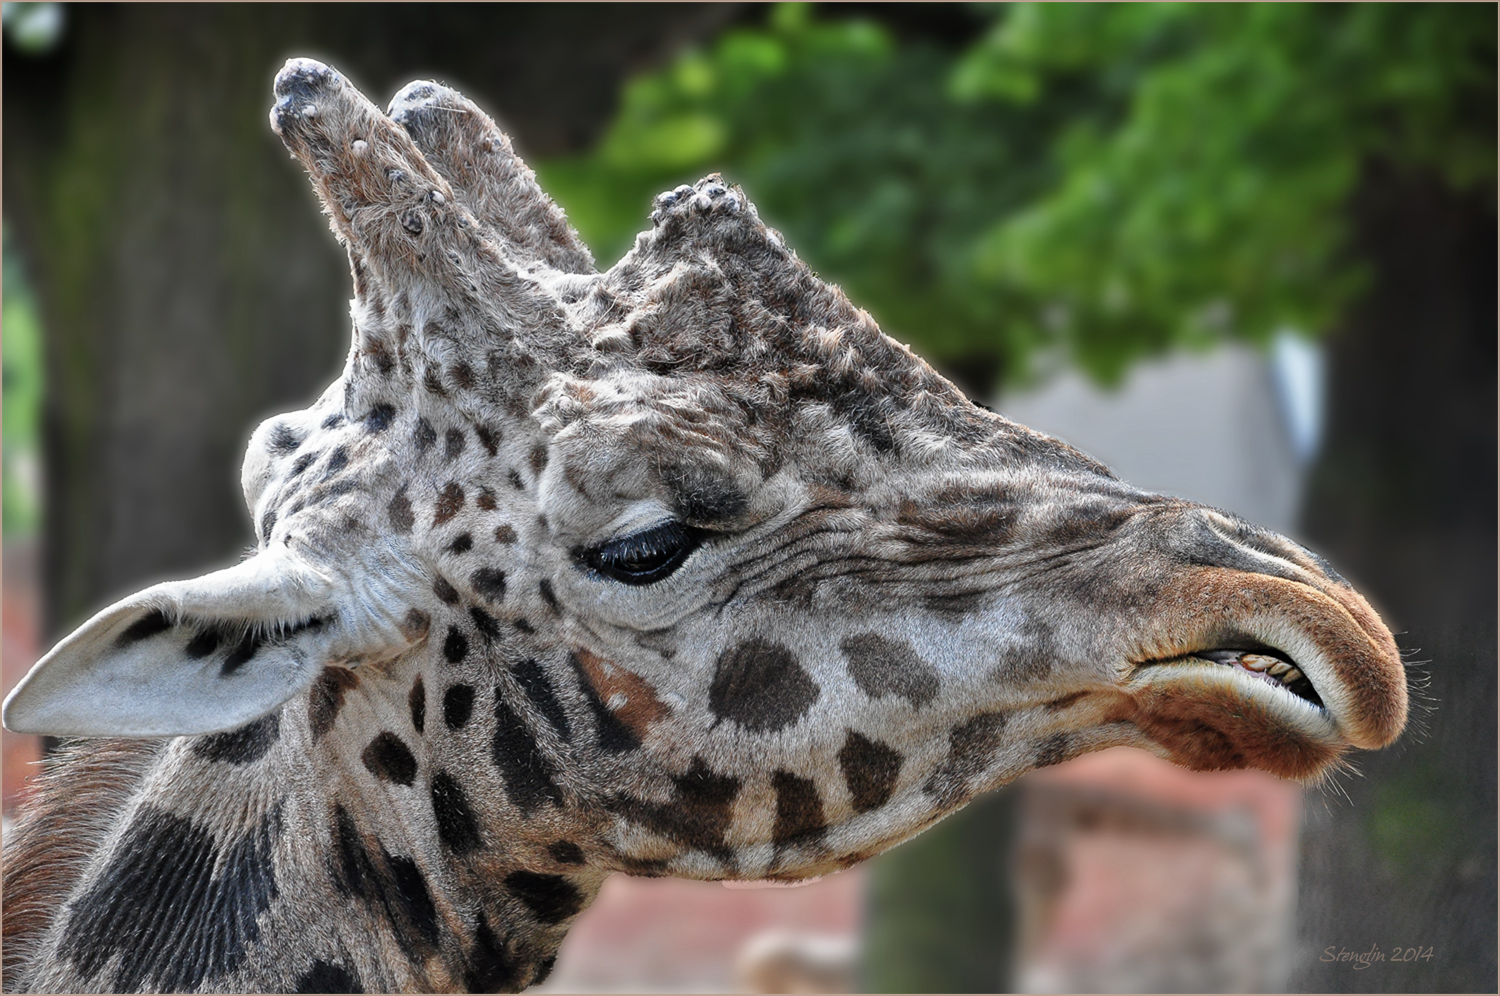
678	568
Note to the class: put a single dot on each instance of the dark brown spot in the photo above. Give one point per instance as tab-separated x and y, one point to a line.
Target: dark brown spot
799	810
458	705
640	707
416	624
379	417
551	897
964	514
325	977
544	589
870	769
533	681
248	647
538	459
205	642
449	502
250	742
456	646
424	435
505	534
701	495
444	590
515	480
565	852
698	816
487	625
486	499
462	543
488	438
416	699
457	825
971	749
1054	750
284	439
1031	657
761	686
882	667
388	758
528	775
463	375
489	582
453	443
326	697
492	968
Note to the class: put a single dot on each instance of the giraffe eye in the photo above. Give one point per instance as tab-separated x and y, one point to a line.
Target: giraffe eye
644	557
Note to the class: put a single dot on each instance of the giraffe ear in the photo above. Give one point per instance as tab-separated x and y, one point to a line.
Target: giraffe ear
184	657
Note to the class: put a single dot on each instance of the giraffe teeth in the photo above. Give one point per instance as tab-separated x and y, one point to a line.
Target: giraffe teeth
1257	662
1279	668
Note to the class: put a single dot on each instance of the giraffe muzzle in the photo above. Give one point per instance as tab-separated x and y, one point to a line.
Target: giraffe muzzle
1268	672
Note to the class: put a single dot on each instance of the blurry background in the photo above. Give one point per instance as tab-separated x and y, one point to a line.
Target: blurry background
1242	253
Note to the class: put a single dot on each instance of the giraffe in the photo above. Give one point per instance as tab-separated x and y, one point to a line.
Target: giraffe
679	568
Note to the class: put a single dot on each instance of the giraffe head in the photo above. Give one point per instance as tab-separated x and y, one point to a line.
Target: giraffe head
759	592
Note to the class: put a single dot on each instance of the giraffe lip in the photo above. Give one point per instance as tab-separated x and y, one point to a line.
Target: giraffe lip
1259	663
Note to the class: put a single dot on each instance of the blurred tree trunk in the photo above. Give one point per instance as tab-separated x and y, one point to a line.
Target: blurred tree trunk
187	284
1403	501
940	910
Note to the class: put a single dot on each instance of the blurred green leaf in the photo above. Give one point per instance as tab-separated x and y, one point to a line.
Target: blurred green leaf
1097	182
22	400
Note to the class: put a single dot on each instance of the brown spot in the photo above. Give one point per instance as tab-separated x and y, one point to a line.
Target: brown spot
641	707
799	810
416	700
400	512
388	758
538	459
486	499
761	686
449	502
463	375
971	748
326	697
505	534
698	816
870	769
416	625
444	590
882	666
1054	750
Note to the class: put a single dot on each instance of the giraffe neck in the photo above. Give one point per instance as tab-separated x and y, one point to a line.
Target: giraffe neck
231	866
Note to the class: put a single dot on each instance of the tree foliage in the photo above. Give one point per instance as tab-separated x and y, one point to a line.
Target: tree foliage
1083	183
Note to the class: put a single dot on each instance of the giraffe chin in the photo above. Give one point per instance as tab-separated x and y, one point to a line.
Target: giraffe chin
1208	714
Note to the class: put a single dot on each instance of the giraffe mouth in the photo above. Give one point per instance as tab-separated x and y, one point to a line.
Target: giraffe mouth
1270	666
1260	664
1250	706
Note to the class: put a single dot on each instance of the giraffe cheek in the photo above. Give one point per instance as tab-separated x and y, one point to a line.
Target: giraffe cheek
632	700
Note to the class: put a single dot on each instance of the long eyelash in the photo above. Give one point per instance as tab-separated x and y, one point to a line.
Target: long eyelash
661	541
